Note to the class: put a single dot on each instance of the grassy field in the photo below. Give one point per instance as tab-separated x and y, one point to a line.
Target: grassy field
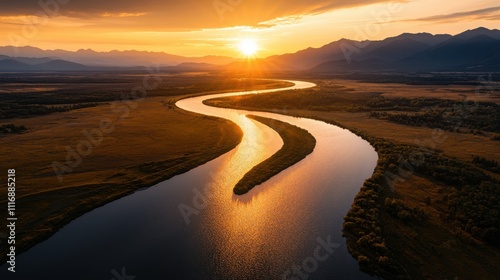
426	225
393	90
297	144
151	145
345	102
101	154
458	145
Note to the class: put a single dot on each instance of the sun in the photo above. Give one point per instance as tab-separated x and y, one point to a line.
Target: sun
248	47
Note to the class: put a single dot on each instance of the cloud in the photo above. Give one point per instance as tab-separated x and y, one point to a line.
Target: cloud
281	21
119	15
180	14
487	13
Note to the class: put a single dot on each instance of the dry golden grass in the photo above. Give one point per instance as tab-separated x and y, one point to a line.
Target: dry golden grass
458	145
170	140
431	250
150	133
153	143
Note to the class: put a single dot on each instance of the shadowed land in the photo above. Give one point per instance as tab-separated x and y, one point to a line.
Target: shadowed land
297	144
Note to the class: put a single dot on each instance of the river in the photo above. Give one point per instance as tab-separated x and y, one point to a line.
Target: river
193	227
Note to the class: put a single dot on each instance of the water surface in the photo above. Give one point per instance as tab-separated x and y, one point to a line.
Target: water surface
193	227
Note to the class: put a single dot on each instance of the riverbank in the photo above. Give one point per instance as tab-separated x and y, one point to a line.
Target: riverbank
297	144
407	222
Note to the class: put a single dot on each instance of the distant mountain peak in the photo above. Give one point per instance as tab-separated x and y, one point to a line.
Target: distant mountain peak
85	51
405	52
114	58
481	29
471	33
471	49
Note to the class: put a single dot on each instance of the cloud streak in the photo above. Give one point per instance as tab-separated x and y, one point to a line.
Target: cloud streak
185	14
487	13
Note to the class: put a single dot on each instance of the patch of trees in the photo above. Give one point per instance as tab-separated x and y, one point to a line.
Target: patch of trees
473	205
12	128
8	111
471	79
363	229
486	116
398	209
450	172
362	225
403	104
487	164
477	210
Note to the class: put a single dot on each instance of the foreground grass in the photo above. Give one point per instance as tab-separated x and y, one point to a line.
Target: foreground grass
434	217
297	144
155	142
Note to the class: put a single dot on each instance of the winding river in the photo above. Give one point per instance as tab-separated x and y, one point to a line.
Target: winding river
193	227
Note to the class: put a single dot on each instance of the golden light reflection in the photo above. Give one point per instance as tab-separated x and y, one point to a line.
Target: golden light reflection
244	228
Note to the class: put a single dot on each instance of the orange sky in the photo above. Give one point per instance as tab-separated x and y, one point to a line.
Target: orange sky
198	28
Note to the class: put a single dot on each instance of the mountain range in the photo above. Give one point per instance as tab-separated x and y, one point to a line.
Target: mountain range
92	58
477	49
472	50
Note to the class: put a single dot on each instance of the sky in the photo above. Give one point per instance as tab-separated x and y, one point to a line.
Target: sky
216	27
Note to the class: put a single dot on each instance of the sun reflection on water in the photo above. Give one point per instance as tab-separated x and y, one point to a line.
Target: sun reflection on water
259	233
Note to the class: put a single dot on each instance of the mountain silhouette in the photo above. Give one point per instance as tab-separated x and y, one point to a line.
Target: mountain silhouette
11	64
112	58
472	50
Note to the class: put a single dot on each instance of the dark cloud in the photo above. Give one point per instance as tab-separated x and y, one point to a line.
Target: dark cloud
181	14
487	13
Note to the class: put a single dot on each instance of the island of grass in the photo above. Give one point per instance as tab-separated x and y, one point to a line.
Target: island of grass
297	144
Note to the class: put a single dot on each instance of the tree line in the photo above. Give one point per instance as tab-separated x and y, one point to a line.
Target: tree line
472	204
12	128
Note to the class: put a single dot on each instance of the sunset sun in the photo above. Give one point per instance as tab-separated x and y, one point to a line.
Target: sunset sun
248	47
